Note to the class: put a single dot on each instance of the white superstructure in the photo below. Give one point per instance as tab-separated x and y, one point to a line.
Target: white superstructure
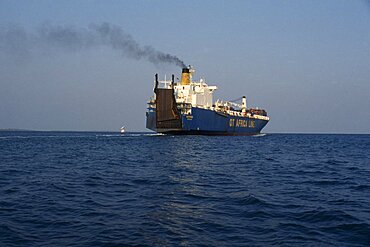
199	94
196	93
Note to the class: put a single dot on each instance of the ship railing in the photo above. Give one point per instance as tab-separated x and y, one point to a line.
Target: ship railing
185	108
165	84
241	114
256	116
151	103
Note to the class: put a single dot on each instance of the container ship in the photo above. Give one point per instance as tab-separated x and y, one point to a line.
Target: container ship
187	108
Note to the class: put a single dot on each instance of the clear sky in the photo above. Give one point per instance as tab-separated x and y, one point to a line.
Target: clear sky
306	62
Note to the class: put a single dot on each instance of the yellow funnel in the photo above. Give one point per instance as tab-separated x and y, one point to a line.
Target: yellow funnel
186	77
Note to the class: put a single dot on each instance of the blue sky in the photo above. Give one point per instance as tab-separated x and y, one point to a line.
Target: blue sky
306	62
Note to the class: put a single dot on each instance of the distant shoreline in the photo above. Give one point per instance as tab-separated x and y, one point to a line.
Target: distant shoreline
4	130
29	130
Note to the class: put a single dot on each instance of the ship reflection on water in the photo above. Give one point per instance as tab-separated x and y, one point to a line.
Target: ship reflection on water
186	198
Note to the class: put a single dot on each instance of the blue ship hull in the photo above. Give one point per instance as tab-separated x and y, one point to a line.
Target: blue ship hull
208	122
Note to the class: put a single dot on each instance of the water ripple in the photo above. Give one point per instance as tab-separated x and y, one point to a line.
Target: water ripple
105	189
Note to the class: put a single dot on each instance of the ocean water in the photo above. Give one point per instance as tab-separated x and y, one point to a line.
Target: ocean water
104	189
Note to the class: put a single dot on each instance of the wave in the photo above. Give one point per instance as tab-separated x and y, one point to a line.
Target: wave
285	190
325	216
130	135
259	135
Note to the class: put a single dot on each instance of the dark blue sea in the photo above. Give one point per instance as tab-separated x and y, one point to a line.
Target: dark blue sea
139	189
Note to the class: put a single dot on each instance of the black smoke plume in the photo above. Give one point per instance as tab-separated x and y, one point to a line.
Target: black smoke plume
75	39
